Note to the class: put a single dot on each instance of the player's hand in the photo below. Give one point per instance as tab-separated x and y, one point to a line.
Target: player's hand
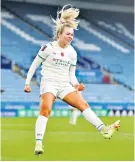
80	87
27	88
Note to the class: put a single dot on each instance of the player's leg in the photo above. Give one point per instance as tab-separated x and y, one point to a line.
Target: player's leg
46	102
74	112
73	115
75	99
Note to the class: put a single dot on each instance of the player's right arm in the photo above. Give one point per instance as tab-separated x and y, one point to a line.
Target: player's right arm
41	56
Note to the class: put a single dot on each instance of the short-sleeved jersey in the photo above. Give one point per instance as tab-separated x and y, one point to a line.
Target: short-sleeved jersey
57	62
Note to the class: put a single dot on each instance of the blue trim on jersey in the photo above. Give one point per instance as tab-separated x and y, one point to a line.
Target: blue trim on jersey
73	65
41	57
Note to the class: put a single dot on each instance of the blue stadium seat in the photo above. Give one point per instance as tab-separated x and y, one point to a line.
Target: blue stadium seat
118	63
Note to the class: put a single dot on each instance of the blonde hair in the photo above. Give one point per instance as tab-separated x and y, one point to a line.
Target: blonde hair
65	18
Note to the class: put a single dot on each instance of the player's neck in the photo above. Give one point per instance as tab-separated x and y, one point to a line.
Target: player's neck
62	45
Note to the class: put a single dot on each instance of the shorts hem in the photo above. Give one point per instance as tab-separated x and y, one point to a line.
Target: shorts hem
48	92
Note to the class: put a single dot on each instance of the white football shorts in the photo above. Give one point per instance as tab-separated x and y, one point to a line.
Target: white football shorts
57	89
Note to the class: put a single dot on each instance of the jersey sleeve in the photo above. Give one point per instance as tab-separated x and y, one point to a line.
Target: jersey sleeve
43	52
74	58
73	79
37	61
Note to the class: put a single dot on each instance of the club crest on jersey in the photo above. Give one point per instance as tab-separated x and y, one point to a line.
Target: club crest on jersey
62	54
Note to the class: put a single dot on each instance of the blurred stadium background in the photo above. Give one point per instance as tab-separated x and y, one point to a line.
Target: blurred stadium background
105	46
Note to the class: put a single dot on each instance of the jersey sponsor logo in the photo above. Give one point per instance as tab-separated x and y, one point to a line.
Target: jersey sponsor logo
54	59
61	62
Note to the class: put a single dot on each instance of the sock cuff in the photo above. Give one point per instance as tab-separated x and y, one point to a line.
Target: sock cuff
43	118
100	127
86	111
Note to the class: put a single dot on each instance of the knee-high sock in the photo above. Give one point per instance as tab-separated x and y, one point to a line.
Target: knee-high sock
40	127
92	118
73	117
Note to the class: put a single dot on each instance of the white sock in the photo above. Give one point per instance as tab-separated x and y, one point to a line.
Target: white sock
92	118
40	127
73	117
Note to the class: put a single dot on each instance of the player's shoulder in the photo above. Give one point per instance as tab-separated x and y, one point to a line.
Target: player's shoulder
72	51
47	45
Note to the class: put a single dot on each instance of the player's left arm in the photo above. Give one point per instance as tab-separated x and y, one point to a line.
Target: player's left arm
73	79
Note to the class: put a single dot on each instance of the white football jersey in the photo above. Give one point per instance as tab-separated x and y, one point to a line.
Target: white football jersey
57	62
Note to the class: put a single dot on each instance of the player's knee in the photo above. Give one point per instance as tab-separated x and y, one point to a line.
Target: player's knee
84	106
45	110
45	113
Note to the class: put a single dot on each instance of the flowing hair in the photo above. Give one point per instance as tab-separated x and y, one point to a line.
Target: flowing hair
66	17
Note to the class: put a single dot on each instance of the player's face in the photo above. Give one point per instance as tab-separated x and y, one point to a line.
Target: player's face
67	36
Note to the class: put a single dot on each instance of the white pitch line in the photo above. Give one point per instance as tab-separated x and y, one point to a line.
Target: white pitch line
66	132
16	125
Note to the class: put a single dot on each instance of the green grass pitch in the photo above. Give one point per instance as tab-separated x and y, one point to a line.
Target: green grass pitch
65	142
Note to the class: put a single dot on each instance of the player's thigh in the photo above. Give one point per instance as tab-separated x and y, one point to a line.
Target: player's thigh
47	100
76	100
